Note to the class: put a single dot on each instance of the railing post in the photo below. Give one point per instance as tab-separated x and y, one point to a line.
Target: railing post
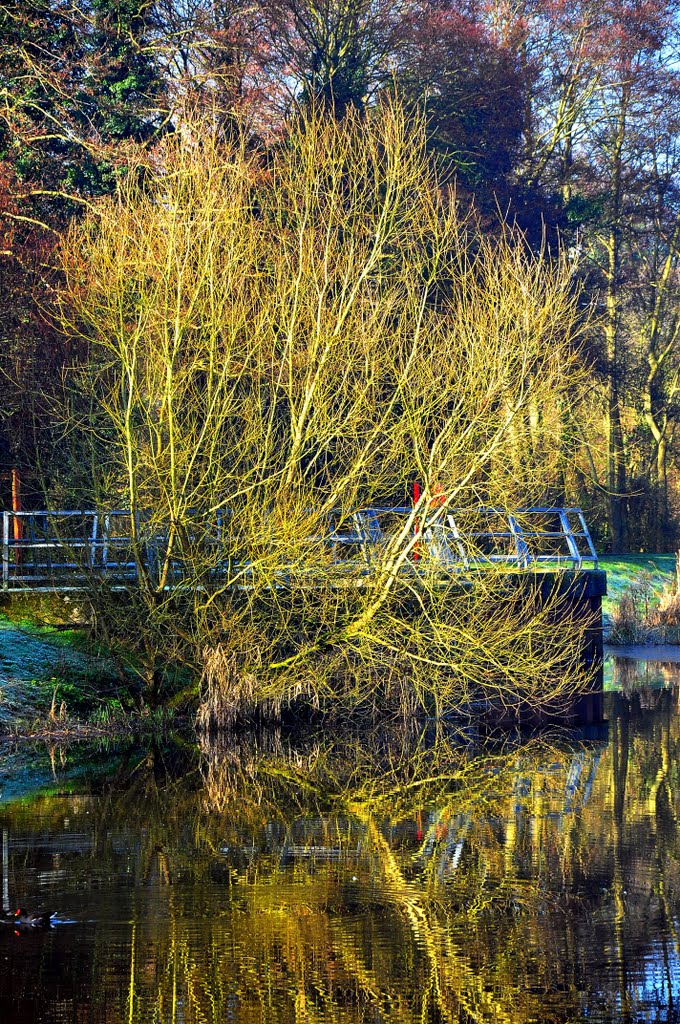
523	553
458	540
16	507
5	550
92	554
105	542
588	538
574	552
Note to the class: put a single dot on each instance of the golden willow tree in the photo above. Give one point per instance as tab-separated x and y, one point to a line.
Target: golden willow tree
276	343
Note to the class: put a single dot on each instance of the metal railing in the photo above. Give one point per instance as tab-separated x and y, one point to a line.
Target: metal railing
70	550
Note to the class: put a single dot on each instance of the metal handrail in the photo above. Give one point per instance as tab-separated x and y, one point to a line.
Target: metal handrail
42	555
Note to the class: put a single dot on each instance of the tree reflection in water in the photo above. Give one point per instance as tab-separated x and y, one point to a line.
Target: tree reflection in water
403	876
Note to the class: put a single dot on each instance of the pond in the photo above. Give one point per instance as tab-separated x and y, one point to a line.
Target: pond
415	874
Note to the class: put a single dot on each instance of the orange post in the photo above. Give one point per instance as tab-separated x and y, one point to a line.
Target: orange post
438	499
17	522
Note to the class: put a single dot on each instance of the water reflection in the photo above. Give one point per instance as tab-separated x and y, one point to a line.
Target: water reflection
404	876
629	673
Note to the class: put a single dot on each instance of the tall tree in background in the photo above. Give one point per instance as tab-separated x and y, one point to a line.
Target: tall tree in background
335	53
619	138
215	55
78	88
470	85
76	83
601	87
655	295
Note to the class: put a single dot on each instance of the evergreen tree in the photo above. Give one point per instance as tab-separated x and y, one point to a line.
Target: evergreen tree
78	87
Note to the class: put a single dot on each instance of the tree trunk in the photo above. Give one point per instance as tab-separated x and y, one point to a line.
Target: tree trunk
616	470
662	486
615	476
658	425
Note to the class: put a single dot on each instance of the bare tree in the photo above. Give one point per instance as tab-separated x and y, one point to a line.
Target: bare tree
277	345
334	53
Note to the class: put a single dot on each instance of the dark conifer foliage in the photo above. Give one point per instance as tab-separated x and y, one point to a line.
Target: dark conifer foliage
79	91
75	80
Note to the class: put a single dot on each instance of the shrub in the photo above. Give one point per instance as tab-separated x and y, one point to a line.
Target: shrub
278	339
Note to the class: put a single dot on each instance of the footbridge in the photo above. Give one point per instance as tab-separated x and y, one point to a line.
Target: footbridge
548	551
59	551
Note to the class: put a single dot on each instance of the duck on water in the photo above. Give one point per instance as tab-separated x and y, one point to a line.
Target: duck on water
22	918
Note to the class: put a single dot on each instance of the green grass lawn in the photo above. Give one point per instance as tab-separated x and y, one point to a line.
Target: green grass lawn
622	570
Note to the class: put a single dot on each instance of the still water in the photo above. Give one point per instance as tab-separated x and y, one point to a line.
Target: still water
412	875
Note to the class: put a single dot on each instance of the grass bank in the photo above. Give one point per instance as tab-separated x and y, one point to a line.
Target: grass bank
55	683
624	570
638	607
